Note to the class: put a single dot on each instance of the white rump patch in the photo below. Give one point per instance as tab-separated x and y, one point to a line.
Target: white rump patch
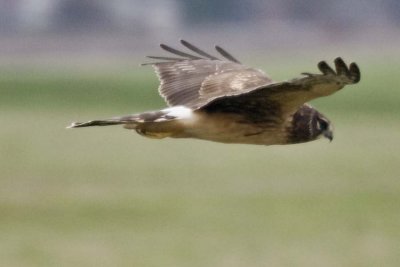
179	112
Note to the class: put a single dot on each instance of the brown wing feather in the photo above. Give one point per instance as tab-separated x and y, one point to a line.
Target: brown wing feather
230	83
204	82
193	81
294	93
289	96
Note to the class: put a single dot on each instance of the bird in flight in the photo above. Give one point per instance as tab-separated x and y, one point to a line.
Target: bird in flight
222	100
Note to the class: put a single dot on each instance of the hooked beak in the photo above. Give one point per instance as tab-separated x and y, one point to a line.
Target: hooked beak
328	134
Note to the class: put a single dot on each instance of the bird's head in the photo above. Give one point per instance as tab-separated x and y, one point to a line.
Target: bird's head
323	126
308	124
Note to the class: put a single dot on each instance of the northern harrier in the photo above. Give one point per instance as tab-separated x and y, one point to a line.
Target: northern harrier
224	101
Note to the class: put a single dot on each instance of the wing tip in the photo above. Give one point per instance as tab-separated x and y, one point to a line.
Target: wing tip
339	61
355	72
324	67
351	71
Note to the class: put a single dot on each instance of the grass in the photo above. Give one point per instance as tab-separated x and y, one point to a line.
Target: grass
107	197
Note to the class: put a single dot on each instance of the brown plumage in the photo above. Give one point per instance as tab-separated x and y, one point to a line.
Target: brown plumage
225	101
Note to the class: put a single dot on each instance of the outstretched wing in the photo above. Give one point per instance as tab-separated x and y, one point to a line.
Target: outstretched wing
194	80
287	97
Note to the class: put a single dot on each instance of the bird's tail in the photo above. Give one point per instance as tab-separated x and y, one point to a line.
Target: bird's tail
94	123
153	124
151	117
131	120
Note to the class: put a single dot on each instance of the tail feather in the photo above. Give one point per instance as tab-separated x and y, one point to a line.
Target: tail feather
147	119
96	123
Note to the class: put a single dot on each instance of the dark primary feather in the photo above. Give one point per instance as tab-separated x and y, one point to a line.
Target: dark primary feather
197	50
325	68
341	67
177	52
193	48
355	72
226	55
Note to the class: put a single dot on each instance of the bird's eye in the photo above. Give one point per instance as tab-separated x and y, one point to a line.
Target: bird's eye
323	124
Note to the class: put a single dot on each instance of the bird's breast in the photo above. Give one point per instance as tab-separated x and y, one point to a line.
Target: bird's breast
233	128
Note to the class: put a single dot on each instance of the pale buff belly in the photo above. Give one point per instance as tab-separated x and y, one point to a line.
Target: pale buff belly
230	129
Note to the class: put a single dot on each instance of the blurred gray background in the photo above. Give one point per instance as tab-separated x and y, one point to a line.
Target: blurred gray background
77	32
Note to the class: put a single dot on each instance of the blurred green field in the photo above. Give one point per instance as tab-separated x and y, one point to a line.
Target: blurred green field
108	197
